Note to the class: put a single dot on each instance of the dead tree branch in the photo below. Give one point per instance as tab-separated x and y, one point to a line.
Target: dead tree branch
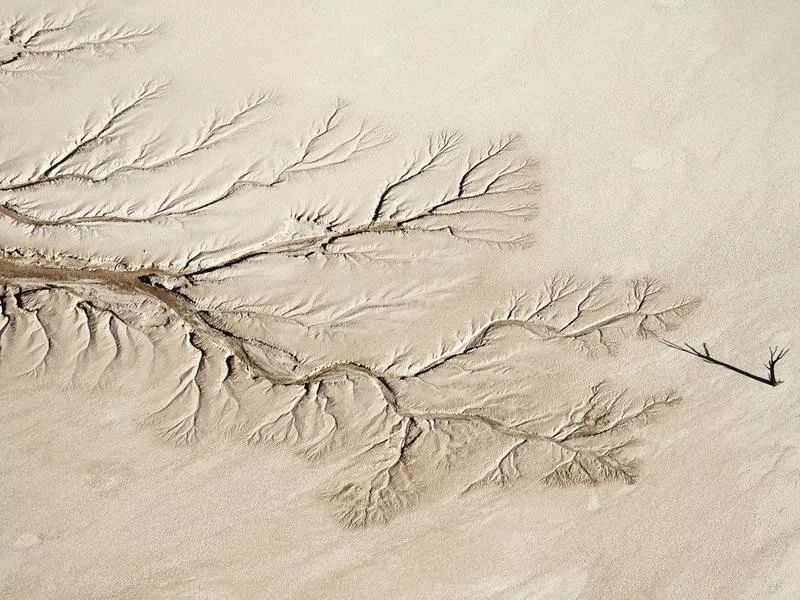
703	353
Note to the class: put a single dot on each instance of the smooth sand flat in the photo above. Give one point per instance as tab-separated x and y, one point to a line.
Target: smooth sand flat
413	300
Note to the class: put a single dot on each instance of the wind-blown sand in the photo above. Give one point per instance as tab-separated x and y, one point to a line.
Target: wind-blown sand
392	301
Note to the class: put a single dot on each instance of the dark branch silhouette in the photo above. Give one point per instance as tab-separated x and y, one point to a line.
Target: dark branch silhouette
775	354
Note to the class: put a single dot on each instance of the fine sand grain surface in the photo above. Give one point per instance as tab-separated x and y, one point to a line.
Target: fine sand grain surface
399	300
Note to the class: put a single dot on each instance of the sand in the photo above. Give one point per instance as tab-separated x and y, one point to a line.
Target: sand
424	300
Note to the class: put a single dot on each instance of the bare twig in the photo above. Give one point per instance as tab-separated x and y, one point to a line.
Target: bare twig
775	355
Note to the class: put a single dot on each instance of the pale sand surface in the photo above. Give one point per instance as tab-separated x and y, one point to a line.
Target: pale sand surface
359	300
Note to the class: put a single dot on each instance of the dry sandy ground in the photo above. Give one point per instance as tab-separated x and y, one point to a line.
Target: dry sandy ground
368	300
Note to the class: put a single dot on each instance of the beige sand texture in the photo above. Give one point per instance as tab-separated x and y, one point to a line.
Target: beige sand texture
399	300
